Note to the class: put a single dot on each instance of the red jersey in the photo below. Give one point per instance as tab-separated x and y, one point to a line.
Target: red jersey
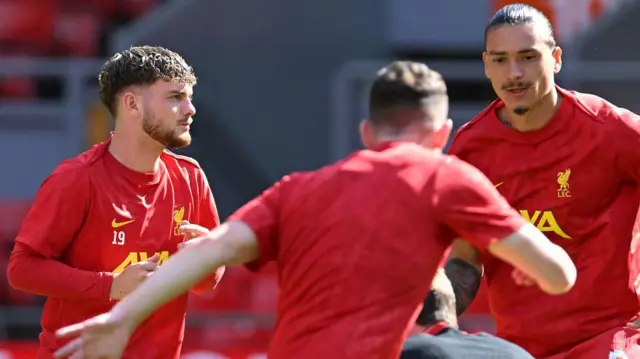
576	179
358	244
94	217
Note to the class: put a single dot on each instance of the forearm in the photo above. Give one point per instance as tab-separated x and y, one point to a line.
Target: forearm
181	272
465	279
32	273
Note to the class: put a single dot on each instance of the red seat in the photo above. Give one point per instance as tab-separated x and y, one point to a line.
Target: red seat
104	7
265	290
27	23
135	8
232	294
18	87
77	32
11	214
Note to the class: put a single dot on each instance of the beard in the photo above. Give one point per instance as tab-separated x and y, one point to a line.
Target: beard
167	137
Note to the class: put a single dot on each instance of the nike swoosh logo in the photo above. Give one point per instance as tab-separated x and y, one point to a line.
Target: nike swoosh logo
498	185
116	224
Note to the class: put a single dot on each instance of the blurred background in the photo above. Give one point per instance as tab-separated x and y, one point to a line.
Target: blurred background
282	87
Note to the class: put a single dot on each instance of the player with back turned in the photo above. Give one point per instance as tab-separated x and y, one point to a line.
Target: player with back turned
102	221
357	242
570	163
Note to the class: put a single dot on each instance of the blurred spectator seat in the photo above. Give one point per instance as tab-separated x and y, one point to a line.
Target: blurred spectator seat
11	214
568	17
105	7
232	294
130	9
26	25
18	87
77	32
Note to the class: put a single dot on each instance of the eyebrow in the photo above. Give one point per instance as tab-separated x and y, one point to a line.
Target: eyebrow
180	92
502	53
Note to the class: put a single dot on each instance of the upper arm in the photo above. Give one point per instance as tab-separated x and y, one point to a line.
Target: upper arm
262	215
470	205
57	213
208	216
626	142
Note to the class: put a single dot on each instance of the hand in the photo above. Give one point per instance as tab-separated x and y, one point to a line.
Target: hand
522	279
101	337
190	232
127	280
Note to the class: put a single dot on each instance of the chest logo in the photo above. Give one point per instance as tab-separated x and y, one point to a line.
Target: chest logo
178	217
563	183
115	224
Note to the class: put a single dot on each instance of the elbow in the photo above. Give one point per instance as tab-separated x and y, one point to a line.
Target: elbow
14	270
564	278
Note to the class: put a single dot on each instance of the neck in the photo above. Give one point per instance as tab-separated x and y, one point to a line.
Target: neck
538	115
137	152
411	138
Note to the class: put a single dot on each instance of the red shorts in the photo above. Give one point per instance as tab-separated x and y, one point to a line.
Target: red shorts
617	343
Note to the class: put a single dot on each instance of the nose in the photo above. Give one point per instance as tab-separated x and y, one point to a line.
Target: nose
190	109
515	72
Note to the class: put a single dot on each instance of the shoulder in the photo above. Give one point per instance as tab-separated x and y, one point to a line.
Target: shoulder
75	171
617	120
591	106
469	130
181	161
184	167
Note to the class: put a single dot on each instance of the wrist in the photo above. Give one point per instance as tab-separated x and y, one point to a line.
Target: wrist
107	284
124	320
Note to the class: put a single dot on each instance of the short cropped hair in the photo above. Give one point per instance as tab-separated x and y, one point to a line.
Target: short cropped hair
518	15
141	65
404	85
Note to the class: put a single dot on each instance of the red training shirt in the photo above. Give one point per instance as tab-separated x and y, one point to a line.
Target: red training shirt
93	217
358	244
577	180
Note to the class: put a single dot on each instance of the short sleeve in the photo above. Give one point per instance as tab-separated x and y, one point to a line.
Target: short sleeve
467	202
262	215
207	211
626	143
58	211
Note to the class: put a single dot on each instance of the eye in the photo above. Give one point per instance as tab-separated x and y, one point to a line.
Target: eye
530	57
498	60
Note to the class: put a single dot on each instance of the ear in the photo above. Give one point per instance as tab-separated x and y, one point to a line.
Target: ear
557	57
485	60
440	137
368	134
131	104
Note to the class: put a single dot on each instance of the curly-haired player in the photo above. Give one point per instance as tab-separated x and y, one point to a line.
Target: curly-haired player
105	219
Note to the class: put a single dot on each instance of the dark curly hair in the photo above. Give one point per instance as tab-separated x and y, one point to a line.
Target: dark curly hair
141	65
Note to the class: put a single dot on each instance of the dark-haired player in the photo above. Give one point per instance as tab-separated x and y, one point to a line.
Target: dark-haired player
436	334
102	221
357	242
570	163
